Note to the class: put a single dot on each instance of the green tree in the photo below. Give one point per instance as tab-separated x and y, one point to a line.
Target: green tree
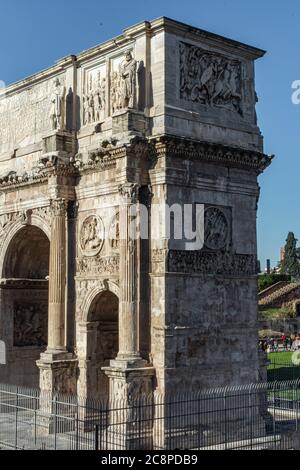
290	264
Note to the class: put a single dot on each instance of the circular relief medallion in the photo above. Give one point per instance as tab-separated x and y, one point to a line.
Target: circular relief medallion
92	235
216	229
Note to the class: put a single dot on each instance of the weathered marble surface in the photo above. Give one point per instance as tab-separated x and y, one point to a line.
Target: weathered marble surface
79	144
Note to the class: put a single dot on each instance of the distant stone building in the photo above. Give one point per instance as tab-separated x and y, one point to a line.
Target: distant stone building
282	295
162	114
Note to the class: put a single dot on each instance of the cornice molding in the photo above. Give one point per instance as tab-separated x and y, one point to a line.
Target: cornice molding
23	284
173	147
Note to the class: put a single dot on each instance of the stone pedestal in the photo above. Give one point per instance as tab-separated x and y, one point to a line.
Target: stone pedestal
59	143
58	376
130	416
129	122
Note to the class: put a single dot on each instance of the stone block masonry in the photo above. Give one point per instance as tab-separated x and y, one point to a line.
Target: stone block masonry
162	114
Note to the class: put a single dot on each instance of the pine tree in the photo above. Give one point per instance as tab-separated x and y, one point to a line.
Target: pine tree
290	264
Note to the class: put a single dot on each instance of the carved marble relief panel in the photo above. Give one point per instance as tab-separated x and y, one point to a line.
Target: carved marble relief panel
94	95
217	228
92	236
109	88
210	79
98	265
99	244
30	324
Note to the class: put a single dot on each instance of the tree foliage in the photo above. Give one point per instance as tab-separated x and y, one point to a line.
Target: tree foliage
290	264
268	280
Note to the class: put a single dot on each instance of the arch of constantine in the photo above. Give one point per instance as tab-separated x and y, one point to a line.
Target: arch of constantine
162	114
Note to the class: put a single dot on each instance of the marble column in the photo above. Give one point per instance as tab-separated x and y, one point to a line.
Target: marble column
57	365
130	377
57	278
129	274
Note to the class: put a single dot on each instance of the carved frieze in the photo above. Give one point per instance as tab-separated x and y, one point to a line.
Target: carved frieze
12	179
217	263
98	265
92	235
210	79
30	324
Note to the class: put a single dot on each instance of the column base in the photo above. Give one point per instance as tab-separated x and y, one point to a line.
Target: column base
125	362
53	355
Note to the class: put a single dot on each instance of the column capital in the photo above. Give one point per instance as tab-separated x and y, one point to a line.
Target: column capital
129	192
59	207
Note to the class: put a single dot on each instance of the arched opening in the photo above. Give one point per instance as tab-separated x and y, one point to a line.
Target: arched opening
104	343
24	305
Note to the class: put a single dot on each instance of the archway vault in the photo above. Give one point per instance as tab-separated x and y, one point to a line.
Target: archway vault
27	256
24	301
16	227
93	293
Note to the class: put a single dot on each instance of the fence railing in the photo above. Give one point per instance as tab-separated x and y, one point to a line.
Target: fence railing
259	416
278	370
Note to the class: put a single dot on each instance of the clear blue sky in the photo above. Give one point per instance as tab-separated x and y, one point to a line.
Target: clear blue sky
35	33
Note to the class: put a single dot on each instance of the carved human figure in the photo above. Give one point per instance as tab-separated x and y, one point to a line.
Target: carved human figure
128	74
91	109
85	109
97	105
57	106
90	237
210	79
115	232
116	99
29	328
102	91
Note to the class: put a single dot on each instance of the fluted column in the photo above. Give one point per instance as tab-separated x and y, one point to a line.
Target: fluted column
57	277
130	377
129	273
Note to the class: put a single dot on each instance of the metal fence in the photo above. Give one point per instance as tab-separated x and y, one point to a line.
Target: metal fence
283	371
260	416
